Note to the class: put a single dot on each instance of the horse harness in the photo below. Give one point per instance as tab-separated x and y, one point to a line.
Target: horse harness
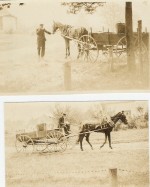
98	127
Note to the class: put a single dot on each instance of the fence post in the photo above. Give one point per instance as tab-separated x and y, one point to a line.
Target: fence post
67	75
113	177
111	66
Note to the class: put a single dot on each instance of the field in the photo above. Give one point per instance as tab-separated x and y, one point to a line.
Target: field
21	73
82	168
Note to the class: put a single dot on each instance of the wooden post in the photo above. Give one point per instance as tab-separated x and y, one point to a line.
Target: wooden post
145	29
90	30
140	45
111	62
113	177
67	75
129	36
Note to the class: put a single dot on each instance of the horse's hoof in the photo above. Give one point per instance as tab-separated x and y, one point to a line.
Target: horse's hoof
110	147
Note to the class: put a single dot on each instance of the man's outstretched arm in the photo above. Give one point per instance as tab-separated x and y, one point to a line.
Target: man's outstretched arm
47	31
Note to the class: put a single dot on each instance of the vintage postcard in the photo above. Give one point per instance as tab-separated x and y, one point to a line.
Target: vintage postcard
74	46
70	144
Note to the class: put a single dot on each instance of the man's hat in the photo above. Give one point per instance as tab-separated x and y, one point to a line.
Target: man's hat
41	24
64	114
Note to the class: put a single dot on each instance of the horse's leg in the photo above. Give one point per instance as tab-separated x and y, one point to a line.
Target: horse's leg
68	48
104	141
66	45
78	51
87	139
66	52
109	139
81	136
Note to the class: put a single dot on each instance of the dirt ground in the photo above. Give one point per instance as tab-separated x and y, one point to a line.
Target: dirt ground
21	73
74	168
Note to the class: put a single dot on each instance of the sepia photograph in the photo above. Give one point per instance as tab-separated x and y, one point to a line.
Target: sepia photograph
74	46
93	143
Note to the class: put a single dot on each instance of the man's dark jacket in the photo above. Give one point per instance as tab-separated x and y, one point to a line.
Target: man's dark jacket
41	35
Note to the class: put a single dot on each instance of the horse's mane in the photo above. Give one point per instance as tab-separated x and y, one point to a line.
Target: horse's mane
59	23
116	115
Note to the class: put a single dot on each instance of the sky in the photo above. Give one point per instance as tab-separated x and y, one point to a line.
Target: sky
27	115
46	11
28	110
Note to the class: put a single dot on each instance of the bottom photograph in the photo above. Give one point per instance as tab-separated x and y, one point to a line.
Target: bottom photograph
70	144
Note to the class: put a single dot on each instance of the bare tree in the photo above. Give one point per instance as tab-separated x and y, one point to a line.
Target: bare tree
88	7
96	112
73	115
140	109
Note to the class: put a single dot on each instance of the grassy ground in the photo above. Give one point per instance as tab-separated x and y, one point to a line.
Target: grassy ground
88	168
20	71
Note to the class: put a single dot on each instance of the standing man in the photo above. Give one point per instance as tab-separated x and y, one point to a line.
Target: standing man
41	41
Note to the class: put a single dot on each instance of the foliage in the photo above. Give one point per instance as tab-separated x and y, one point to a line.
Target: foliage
139	121
88	7
146	117
73	116
135	121
7	5
95	112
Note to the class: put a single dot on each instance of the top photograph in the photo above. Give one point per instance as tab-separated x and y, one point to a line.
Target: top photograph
56	47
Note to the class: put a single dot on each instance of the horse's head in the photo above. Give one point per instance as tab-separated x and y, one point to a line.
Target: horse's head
122	117
55	27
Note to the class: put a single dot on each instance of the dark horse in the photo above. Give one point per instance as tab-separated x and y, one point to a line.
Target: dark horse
105	128
69	33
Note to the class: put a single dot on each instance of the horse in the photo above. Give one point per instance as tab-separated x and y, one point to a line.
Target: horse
105	128
68	33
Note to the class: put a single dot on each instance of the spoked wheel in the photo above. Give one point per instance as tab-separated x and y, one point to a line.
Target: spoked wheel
41	145
24	144
71	141
105	55
88	49
121	48
56	142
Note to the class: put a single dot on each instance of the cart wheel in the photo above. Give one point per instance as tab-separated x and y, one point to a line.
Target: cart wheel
71	141
56	141
41	146
24	144
88	49
121	47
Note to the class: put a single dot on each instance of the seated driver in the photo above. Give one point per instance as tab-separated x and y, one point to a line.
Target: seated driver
64	124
